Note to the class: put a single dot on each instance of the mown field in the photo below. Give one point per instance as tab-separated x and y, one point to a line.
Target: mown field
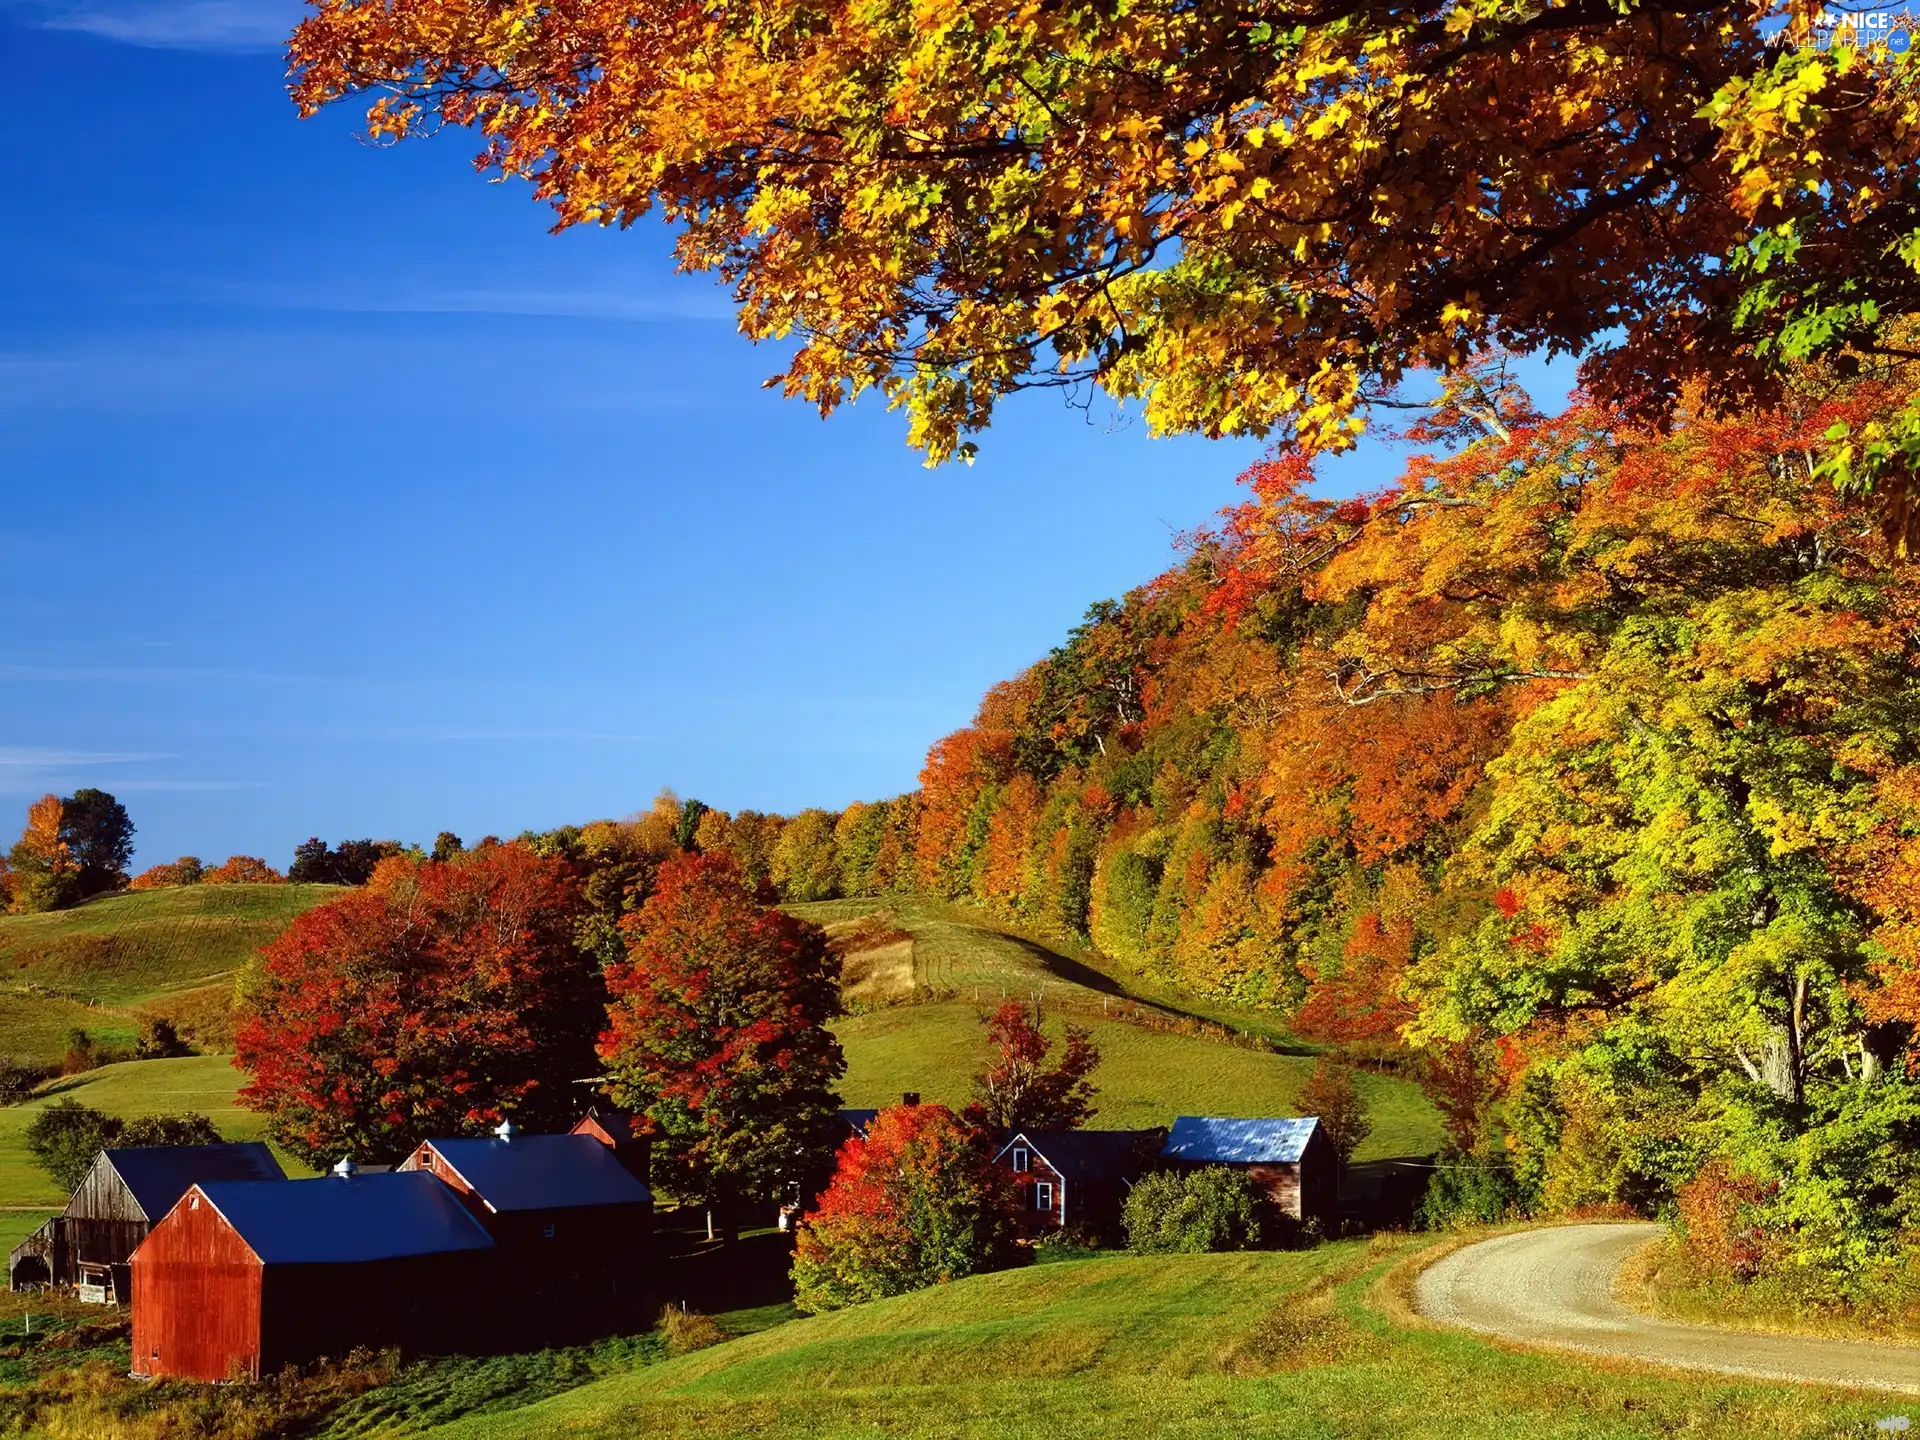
1311	1344
104	965
968	965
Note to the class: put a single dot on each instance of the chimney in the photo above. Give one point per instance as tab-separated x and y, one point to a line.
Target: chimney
911	1097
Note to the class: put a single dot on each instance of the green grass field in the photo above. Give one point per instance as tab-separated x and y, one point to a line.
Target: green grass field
1146	1076
101	966
1306	1344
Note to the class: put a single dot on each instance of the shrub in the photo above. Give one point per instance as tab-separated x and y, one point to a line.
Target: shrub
159	1040
1722	1233
188	1129
914	1202
66	1136
17	1080
685	1330
243	870
1193	1212
1468	1189
187	870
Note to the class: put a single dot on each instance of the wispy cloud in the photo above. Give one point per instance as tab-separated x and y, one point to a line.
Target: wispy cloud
37	757
176	24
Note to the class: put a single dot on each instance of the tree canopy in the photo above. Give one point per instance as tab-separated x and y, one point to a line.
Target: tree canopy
1252	223
439	1001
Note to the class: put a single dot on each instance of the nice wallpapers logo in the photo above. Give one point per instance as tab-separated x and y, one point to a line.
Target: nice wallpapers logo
1886	32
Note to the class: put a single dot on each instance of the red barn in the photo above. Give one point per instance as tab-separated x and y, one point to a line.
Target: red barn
572	1224
244	1277
1076	1179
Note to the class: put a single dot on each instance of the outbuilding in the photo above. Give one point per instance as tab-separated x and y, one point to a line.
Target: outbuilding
1290	1159
1076	1179
244	1277
619	1129
572	1224
124	1194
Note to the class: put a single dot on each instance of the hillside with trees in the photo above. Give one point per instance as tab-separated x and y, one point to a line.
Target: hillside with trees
1580	764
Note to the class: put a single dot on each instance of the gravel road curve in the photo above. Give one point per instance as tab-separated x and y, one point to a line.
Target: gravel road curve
1555	1287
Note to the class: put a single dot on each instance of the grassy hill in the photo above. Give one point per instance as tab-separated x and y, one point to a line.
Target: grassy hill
917	1027
104	965
1308	1344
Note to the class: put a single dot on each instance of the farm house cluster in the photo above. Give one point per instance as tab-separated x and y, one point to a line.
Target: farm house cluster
234	1271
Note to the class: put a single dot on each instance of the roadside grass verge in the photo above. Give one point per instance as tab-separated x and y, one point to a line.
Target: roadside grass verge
1211	1345
1659	1282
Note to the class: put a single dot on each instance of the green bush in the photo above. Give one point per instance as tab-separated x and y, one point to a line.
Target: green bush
1193	1212
66	1136
1468	1190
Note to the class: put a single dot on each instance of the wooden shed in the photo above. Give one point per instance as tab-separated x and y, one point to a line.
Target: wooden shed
573	1226
1076	1178
244	1277
124	1194
1290	1159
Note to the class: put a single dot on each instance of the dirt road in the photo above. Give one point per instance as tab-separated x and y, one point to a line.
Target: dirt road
1555	1287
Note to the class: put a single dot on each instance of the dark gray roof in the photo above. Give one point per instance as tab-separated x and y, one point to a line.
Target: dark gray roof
542	1172
158	1175
1211	1140
1082	1155
332	1221
857	1120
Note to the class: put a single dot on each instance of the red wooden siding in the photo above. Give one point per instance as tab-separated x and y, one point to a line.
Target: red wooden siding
196	1298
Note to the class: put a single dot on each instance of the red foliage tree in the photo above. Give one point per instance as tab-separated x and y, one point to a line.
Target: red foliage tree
1020	1091
717	1033
243	870
917	1201
440	1005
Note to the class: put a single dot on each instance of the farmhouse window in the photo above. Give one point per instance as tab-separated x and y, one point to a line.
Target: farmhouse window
1020	1162
1043	1196
548	1230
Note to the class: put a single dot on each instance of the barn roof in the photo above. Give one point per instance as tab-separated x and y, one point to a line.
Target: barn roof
542	1172
158	1175
1214	1141
1083	1155
336	1221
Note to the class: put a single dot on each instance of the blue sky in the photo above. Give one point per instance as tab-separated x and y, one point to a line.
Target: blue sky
341	498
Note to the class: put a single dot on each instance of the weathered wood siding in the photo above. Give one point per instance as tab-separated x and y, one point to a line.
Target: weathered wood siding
1305	1189
196	1298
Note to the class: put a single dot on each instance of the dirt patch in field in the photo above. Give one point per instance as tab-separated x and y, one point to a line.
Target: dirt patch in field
876	959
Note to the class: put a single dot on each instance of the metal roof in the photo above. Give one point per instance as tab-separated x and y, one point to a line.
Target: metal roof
542	1172
334	1221
158	1175
1211	1140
